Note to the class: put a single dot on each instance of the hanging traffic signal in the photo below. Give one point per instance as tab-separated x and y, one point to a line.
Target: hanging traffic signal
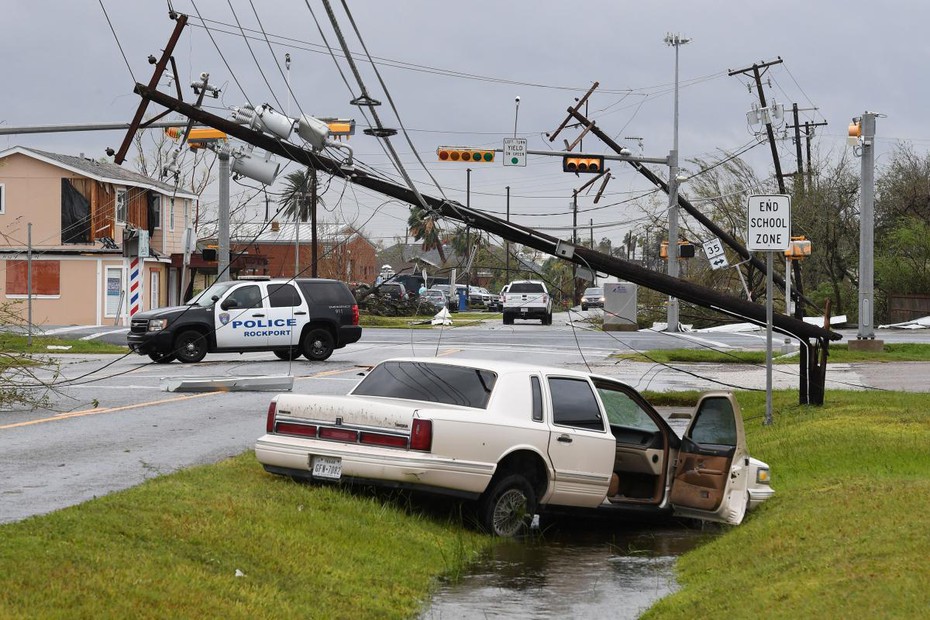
461	153
571	163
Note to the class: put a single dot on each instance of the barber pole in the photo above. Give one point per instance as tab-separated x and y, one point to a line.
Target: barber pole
135	288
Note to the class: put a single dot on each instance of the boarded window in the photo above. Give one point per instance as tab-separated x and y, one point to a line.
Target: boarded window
46	277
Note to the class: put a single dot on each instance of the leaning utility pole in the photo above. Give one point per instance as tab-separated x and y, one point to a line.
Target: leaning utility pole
768	125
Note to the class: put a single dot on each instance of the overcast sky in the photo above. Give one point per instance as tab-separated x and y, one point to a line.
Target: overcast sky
453	70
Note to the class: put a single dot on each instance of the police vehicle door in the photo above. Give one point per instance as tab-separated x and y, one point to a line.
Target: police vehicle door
287	313
241	320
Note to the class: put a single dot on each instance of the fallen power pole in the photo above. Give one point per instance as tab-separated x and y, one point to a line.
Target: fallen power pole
596	261
814	339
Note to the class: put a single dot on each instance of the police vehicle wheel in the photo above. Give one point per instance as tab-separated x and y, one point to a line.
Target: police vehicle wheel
161	358
190	347
318	345
291	353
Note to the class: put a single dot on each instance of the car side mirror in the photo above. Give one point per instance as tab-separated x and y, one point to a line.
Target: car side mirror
229	303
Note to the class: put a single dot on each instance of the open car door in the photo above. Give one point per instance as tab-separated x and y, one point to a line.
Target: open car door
712	471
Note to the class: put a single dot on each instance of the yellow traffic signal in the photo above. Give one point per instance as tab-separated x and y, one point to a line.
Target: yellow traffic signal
198	137
465	154
799	248
570	163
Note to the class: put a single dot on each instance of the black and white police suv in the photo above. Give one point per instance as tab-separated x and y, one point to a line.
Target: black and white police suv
290	317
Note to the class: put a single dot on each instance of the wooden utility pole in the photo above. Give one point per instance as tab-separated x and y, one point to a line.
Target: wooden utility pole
757	74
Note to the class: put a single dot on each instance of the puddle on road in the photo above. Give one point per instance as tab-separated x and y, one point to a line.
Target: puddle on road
574	571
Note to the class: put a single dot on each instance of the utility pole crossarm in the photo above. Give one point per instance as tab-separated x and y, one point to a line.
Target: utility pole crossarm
160	67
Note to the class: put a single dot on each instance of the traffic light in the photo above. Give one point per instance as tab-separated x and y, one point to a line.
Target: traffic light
685	249
198	137
571	163
461	153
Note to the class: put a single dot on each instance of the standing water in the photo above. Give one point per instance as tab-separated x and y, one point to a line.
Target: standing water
578	570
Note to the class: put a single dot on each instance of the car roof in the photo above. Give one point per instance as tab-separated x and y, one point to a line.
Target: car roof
503	367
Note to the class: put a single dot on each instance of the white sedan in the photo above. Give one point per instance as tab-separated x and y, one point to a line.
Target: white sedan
517	438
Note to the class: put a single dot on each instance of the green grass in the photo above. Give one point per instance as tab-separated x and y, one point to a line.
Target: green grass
847	534
460	319
170	548
839	353
18	343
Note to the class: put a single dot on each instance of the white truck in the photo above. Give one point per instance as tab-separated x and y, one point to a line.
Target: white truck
527	299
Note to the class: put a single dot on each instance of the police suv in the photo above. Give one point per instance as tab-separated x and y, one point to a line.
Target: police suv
290	317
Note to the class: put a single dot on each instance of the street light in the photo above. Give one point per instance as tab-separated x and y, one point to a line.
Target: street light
676	41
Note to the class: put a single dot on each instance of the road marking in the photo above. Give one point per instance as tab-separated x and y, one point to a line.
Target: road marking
86	412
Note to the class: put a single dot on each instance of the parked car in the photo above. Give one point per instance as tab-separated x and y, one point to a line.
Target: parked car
453	297
527	299
592	298
306	316
478	297
393	290
435	297
497	301
517	439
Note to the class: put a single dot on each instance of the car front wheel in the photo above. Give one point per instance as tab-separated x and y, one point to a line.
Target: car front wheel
291	353
161	358
508	506
190	347
318	345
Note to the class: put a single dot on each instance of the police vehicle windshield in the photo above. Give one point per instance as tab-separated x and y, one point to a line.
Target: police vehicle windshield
205	299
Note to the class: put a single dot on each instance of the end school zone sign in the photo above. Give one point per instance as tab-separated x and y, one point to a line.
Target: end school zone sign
768	219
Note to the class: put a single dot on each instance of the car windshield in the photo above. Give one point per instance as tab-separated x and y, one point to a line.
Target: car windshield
437	383
205	299
593	292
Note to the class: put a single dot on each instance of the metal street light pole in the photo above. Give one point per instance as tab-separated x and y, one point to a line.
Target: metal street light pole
675	41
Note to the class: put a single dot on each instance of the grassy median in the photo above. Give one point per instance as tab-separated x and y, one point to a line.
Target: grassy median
847	534
229	541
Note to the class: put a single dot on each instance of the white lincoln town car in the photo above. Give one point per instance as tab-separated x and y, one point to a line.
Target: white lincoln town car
517	438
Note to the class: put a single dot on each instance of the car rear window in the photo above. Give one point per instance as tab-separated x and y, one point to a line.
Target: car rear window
330	293
526	287
435	383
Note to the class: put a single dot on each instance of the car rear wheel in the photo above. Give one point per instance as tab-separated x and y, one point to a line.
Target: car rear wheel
584	307
508	506
318	345
291	353
508	319
190	347
547	320
161	358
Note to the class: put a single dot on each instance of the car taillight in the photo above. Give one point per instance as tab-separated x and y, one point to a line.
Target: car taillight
545	299
302	430
421	436
269	421
339	434
355	314
380	439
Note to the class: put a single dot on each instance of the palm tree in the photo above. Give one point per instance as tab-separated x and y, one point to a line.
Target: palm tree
424	226
295	198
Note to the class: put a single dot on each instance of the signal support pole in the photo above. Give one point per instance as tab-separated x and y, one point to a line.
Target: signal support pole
675	41
866	334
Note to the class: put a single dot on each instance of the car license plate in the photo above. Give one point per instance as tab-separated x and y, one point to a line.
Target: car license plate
524	309
327	467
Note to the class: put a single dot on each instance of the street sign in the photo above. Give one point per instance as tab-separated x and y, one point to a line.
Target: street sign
713	249
515	151
768	222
